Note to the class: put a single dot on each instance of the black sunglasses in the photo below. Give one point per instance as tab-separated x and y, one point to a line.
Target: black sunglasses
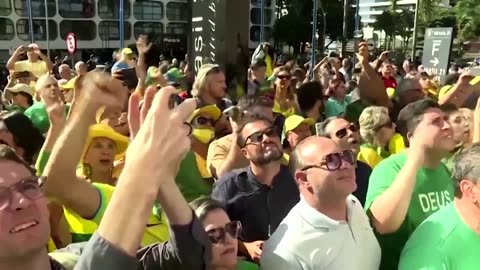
217	235
257	137
203	121
30	188
333	161
388	124
344	131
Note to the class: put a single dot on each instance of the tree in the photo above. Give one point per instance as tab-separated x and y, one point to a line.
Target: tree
468	19
427	9
404	25
386	22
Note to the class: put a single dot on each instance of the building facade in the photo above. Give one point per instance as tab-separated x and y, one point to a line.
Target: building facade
369	9
95	22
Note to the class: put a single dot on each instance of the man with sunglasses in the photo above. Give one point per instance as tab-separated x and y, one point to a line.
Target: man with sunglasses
262	194
347	136
408	187
328	228
24	216
224	154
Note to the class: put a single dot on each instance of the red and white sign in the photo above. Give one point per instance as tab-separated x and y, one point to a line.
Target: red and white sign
71	43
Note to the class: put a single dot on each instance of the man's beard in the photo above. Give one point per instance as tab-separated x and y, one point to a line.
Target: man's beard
266	158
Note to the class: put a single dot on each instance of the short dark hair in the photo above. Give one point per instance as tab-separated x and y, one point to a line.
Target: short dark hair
308	94
7	153
465	167
321	128
412	114
204	205
247	103
247	120
259	64
448	108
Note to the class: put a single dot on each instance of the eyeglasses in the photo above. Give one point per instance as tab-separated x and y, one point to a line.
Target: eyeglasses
257	137
344	131
30	188
217	236
286	77
333	161
203	121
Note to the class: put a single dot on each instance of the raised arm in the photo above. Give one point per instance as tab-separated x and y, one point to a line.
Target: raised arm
98	90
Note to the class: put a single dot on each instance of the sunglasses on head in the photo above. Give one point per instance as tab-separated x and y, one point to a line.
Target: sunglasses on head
333	161
203	121
344	131
30	188
286	77
217	235
257	137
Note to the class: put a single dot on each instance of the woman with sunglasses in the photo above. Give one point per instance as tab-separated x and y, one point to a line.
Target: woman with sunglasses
284	100
376	130
202	238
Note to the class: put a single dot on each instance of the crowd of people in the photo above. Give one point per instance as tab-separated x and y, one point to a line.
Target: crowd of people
332	166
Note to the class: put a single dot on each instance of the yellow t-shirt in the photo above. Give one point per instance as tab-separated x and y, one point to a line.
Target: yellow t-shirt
269	62
396	144
369	156
37	68
276	109
156	231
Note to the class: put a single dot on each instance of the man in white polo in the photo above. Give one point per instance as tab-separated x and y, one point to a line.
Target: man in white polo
328	228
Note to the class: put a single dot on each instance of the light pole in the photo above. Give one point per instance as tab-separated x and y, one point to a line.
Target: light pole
262	21
314	36
415	30
30	21
121	19
46	28
346	6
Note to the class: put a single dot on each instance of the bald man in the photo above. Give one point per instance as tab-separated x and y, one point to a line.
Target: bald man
46	92
328	228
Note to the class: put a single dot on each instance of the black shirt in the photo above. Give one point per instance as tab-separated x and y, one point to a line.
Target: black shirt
362	172
259	207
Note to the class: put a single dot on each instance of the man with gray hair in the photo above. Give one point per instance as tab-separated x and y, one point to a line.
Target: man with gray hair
329	224
450	238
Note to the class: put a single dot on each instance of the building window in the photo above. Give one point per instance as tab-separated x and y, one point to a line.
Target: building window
5	8
176	28
255	33
177	11
110	30
76	8
83	30
153	29
38	8
39	30
109	9
6	29
148	10
258	3
256	13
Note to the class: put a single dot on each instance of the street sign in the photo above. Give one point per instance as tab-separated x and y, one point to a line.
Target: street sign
71	43
436	50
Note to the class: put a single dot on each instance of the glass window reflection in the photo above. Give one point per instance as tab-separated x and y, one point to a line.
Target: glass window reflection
177	11
176	28
39	30
256	13
148	10
38	8
7	31
110	30
255	33
84	30
5	8
76	8
108	9
258	3
153	29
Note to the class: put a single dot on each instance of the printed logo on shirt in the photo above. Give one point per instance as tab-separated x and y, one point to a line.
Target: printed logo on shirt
433	201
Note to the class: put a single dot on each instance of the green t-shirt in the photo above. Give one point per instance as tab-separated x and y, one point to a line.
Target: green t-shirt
190	181
333	107
442	242
39	116
433	191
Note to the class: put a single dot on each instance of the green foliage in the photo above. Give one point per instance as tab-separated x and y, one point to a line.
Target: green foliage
468	19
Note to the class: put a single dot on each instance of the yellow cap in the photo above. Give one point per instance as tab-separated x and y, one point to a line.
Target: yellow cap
127	51
212	110
293	121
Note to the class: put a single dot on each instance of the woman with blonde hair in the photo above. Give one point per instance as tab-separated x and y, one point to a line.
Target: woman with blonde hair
376	129
284	100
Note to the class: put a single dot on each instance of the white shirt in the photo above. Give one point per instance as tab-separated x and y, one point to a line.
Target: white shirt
307	239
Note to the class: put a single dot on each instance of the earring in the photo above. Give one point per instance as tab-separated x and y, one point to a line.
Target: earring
87	170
